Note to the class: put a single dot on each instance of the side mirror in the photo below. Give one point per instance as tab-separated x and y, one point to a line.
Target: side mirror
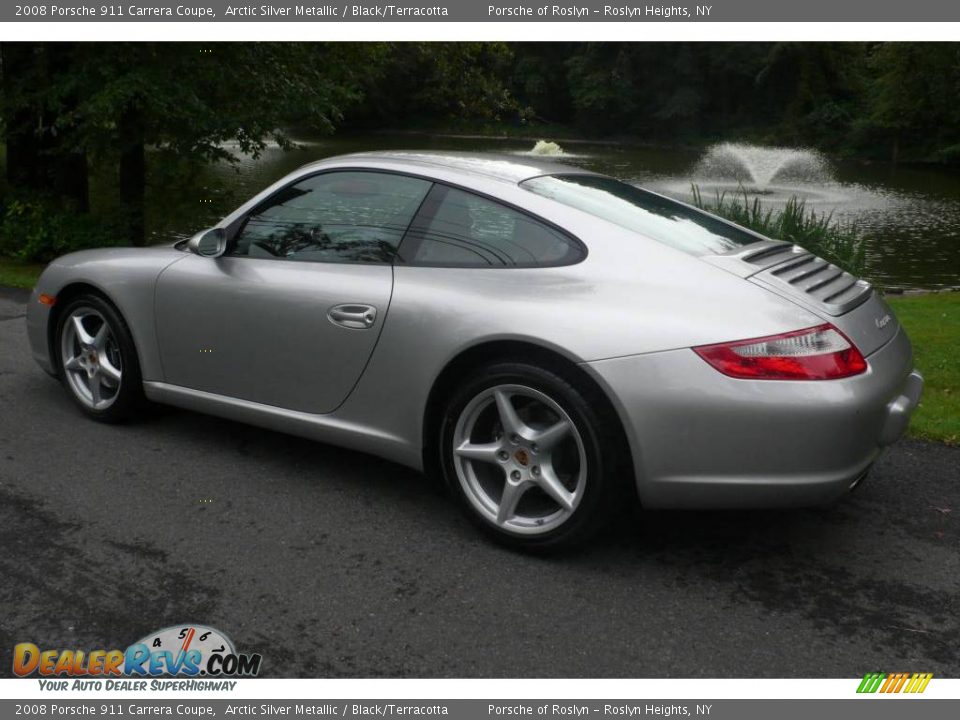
209	243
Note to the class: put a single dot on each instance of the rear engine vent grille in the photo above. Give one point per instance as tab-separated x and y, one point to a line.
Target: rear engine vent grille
771	254
805	275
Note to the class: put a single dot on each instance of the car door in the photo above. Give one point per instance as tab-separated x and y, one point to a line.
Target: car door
290	314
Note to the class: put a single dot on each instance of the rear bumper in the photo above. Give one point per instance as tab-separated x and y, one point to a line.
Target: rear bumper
900	408
701	439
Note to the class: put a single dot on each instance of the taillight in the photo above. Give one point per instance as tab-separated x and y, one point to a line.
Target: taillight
817	353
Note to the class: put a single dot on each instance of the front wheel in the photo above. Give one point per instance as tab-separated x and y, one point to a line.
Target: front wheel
97	360
531	456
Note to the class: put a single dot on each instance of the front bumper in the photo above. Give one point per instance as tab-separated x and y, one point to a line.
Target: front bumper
701	439
38	318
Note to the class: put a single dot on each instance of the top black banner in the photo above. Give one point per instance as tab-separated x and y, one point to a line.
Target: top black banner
487	11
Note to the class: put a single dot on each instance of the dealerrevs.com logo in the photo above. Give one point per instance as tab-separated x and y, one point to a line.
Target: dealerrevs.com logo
183	651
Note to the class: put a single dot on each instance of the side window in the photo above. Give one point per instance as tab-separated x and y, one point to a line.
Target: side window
460	229
349	216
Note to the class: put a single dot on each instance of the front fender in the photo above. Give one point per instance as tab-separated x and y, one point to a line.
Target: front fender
125	276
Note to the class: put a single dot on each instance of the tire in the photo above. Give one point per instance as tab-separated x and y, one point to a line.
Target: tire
504	472
97	361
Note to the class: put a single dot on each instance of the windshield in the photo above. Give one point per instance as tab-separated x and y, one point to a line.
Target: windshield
656	217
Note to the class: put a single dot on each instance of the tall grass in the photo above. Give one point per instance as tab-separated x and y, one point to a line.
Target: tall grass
840	243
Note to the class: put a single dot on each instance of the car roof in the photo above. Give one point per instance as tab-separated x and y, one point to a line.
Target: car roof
497	166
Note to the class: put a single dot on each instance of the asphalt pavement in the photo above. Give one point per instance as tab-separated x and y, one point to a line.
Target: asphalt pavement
333	563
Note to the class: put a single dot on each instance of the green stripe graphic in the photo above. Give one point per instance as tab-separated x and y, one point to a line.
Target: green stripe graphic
871	682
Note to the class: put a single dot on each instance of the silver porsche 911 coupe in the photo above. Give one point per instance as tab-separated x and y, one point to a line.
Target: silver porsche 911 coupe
550	341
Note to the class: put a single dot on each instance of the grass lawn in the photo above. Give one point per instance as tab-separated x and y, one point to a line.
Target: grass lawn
933	322
14	274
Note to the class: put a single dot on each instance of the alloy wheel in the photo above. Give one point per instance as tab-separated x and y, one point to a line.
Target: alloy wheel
91	358
519	459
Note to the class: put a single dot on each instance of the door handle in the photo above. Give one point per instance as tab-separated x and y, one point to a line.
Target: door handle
353	316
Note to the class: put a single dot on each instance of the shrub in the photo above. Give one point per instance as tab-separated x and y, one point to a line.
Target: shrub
38	230
840	243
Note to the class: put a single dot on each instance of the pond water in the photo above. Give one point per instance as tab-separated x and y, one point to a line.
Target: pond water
908	215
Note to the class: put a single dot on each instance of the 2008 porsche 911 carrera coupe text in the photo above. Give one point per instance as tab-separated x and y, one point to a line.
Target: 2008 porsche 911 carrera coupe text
547	339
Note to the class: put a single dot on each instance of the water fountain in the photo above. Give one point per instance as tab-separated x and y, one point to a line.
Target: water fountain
775	174
757	167
546	147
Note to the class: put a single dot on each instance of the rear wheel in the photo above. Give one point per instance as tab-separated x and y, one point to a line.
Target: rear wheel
97	360
530	456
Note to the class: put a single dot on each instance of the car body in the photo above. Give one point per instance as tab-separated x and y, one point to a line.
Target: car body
362	351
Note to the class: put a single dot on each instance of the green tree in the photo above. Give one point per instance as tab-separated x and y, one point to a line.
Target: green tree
37	158
661	91
913	99
438	84
114	101
816	89
538	79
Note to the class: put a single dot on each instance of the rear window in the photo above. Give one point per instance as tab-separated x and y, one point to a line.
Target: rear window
647	213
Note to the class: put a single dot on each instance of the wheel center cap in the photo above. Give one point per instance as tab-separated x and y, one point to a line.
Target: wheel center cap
521	457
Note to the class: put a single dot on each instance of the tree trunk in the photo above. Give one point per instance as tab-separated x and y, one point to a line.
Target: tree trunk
66	164
133	173
20	122
72	181
35	162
